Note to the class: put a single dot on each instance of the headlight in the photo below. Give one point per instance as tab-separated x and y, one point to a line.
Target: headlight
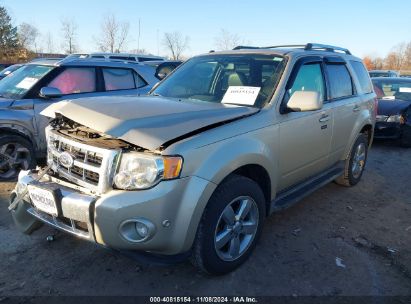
394	118
142	171
382	117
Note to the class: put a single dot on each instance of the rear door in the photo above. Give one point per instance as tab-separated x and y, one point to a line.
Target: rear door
345	101
305	137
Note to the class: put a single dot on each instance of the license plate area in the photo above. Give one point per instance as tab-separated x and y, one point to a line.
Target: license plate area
45	199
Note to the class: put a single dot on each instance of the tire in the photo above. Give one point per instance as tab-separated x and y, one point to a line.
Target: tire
16	153
237	193
405	140
355	163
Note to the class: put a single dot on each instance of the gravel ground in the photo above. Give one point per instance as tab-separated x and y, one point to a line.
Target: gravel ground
337	241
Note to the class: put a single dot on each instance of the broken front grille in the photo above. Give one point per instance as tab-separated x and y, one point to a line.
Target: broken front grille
92	167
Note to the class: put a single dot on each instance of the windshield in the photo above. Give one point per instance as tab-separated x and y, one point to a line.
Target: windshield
16	85
246	79
393	88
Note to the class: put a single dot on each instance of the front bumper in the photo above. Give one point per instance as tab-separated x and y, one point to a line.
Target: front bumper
387	130
173	207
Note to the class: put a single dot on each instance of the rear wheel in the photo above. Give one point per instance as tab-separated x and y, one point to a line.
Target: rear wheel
16	153
230	226
355	163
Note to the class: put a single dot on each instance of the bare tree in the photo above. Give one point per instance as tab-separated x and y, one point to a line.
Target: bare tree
227	41
49	43
69	29
114	35
176	44
28	36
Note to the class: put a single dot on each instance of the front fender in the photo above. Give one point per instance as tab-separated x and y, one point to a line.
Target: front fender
216	161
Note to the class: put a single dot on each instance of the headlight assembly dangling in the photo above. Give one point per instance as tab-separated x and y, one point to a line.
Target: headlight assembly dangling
139	171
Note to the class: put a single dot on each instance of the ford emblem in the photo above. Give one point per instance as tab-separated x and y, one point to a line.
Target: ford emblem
66	160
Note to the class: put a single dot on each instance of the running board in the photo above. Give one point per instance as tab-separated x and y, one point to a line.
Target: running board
292	195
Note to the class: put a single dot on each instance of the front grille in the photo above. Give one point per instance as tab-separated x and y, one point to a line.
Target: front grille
93	167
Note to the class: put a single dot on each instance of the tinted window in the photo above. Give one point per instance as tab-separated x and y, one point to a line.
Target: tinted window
75	80
123	58
362	75
309	78
97	56
139	81
149	59
118	79
340	81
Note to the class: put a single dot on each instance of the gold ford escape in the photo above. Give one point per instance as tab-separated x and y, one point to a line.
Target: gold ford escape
195	167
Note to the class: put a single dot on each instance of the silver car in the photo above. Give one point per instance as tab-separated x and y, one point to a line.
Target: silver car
194	169
36	85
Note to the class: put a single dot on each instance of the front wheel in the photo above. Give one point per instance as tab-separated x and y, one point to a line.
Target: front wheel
16	153
355	163
230	226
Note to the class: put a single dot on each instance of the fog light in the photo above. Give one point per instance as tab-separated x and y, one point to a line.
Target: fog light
137	230
142	229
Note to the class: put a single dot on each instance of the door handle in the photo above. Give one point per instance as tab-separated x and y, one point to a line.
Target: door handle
356	108
324	118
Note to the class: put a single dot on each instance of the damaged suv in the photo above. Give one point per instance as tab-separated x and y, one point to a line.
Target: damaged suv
195	168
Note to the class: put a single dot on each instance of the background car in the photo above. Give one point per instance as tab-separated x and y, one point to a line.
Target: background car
383	73
394	109
33	87
119	56
7	71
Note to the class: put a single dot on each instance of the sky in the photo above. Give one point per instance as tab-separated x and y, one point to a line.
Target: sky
366	27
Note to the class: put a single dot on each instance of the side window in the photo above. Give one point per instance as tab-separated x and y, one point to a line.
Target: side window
363	76
118	79
309	78
139	81
75	80
340	81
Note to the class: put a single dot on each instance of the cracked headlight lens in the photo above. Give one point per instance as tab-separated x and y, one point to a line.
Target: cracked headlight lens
141	171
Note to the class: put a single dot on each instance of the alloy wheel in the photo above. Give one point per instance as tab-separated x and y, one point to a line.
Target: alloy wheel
236	228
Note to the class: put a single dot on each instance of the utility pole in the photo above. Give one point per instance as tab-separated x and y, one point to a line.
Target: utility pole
139	32
158	47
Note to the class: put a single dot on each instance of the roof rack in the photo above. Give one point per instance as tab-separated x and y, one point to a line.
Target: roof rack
306	47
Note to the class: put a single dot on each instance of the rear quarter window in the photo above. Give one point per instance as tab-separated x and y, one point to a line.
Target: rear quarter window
362	76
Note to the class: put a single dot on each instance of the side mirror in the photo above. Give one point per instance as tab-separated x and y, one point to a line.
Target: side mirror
302	101
50	92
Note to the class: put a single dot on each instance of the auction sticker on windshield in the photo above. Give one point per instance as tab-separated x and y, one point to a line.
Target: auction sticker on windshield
241	95
26	83
43	200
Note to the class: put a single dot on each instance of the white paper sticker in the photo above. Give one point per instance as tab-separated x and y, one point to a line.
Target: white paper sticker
388	97
26	83
405	90
241	95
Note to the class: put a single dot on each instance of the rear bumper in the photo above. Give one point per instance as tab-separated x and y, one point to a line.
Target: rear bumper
173	209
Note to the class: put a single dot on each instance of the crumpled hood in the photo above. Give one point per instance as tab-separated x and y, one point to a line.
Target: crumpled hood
392	107
5	103
149	121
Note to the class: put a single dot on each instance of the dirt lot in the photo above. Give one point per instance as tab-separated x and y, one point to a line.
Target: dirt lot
367	229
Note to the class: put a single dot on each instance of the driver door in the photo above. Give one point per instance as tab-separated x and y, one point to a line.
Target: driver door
305	137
